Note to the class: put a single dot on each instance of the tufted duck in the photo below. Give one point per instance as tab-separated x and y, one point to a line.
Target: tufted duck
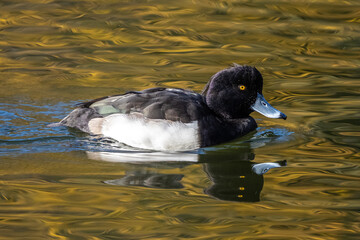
173	119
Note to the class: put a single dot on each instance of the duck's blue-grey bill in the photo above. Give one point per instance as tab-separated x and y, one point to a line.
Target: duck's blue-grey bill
263	107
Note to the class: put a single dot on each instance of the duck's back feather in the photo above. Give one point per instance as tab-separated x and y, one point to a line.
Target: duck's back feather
155	103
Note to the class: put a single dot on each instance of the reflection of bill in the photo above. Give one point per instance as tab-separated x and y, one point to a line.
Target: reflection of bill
234	176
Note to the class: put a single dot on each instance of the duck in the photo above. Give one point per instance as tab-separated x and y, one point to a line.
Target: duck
175	119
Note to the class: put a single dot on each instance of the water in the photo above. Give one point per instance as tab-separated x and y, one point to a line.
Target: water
57	184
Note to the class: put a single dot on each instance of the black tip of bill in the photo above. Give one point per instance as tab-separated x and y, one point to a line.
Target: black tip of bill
283	116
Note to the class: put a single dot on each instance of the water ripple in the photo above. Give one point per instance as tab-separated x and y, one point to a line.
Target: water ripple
57	53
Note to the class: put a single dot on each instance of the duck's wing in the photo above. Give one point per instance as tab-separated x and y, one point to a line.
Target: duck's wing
156	103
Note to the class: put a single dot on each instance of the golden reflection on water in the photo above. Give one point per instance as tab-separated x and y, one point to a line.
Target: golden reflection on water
54	54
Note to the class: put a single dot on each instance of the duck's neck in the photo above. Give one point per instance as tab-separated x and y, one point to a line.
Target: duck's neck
216	130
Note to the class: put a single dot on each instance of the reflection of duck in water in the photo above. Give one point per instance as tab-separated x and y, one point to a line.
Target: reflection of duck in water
234	178
168	119
237	181
151	180
231	181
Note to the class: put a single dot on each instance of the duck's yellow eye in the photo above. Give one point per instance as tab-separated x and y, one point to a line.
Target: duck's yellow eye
242	87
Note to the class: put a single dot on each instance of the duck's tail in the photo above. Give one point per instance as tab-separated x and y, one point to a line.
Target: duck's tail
79	118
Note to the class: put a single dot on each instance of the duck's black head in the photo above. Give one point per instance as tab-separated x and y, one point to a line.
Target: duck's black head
235	92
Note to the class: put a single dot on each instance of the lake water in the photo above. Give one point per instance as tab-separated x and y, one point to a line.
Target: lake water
59	184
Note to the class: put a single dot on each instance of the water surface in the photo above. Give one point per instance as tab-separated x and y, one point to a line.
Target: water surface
59	184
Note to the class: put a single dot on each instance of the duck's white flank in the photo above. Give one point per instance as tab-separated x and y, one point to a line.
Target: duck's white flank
155	134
